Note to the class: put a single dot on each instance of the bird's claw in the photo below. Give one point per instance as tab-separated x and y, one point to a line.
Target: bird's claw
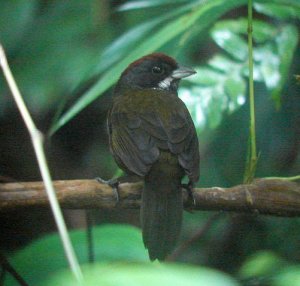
114	184
189	189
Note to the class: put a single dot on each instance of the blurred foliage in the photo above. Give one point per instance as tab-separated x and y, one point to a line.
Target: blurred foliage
263	264
266	268
55	51
272	57
118	249
45	256
207	14
221	85
121	258
146	274
55	47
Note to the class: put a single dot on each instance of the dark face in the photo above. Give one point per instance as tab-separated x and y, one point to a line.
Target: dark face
155	71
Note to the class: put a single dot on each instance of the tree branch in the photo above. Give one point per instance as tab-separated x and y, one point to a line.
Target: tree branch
264	196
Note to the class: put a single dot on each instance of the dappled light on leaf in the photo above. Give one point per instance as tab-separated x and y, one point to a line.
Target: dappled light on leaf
278	10
213	93
231	43
268	65
118	274
272	53
140	4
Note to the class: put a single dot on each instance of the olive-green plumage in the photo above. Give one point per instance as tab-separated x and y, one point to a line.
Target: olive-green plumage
153	136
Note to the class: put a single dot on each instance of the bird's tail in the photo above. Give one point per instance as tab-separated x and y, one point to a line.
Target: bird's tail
161	215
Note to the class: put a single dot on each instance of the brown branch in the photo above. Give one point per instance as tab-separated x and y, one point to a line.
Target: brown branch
265	196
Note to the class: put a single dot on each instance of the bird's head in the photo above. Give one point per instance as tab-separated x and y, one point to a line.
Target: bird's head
154	71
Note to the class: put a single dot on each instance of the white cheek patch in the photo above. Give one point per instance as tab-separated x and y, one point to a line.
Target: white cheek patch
166	83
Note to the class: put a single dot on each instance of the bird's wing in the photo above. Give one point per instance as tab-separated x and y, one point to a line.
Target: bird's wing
166	124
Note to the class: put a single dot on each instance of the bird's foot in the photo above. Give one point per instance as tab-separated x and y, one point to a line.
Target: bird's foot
191	197
114	184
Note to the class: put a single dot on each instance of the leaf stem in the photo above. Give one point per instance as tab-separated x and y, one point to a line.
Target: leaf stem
294	178
250	170
37	141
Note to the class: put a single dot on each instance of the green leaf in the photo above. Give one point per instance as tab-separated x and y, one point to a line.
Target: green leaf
289	276
45	256
214	111
262	263
293	3
126	42
273	52
279	11
133	5
262	31
223	64
206	77
15	16
117	274
269	63
220	88
206	13
286	41
123	44
231	43
216	90
192	98
235	89
274	59
54	52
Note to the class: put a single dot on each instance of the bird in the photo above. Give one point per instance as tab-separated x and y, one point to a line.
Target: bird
152	137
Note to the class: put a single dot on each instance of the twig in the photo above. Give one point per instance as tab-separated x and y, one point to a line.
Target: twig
37	141
89	235
263	196
9	268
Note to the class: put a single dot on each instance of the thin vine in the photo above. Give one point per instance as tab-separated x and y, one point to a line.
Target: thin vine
252	152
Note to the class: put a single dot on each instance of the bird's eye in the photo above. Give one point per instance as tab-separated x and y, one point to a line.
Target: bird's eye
157	70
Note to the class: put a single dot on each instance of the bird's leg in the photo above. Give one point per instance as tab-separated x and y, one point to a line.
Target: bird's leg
114	184
189	188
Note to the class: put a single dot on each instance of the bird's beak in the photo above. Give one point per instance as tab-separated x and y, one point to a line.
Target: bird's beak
182	72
